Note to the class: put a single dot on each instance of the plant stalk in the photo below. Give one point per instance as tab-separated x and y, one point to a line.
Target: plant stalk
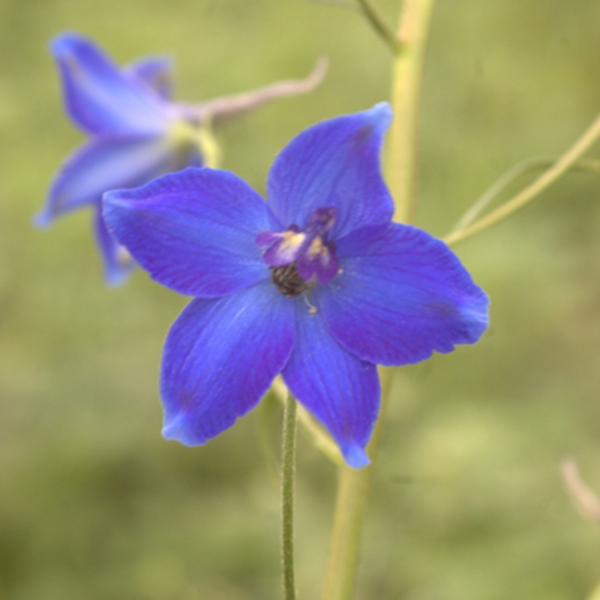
288	456
379	24
529	164
353	491
545	180
354	486
406	93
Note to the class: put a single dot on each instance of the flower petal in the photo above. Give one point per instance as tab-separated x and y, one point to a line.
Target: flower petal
401	295
194	231
338	388
104	164
220	358
334	164
101	98
118	263
156	72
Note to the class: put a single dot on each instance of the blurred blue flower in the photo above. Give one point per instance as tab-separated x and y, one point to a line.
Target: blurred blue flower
136	134
316	284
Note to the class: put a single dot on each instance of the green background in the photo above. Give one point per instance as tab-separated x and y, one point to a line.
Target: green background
468	503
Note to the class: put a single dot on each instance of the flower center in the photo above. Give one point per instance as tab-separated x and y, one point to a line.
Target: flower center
288	281
300	258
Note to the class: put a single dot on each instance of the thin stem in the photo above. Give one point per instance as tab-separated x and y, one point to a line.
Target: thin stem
406	91
500	184
560	167
380	25
319	438
351	503
584	498
530	164
288	467
218	109
317	435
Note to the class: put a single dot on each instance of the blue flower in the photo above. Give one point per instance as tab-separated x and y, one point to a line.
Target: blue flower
136	134
317	284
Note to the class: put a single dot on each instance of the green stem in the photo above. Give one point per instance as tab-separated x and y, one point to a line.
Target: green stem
531	164
545	180
406	92
319	438
352	497
380	25
317	435
351	503
354	486
288	456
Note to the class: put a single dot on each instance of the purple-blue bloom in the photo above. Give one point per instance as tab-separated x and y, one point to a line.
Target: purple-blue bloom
317	284
135	134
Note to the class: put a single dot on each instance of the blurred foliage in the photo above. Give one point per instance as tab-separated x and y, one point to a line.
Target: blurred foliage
467	502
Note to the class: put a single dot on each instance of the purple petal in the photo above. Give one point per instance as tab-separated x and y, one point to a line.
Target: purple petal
118	263
334	164
319	261
338	388
156	72
401	295
284	247
101	98
220	358
194	231
101	165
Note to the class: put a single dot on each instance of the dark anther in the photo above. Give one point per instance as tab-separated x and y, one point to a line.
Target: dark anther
287	280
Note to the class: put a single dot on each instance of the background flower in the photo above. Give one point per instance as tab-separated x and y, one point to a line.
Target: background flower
136	131
136	134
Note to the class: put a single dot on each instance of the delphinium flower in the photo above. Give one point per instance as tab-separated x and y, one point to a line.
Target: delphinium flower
136	131
317	283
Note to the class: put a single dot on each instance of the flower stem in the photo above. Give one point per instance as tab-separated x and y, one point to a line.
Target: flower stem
219	109
315	433
351	503
354	486
352	497
406	91
529	164
288	467
547	178
379	24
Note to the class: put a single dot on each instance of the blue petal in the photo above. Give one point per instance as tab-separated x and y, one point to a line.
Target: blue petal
156	72
401	295
220	358
118	263
334	164
194	231
338	388
101	165
101	98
